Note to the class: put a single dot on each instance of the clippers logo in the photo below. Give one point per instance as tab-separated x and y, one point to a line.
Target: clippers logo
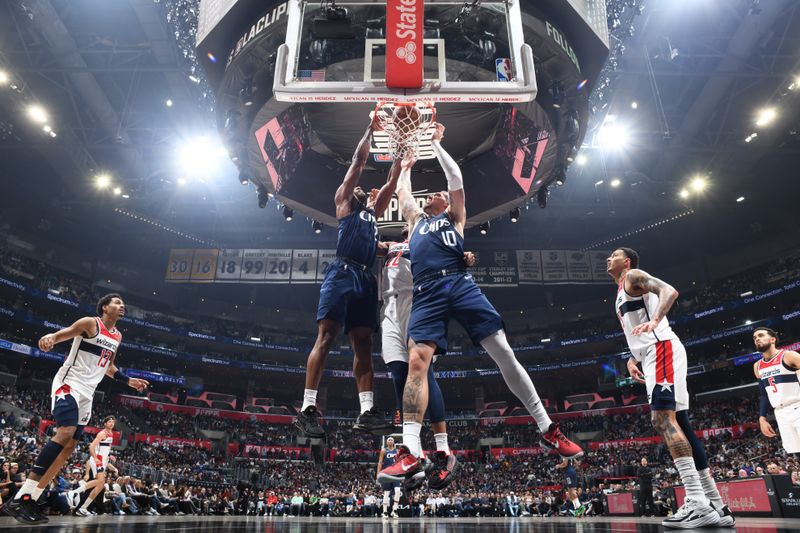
407	53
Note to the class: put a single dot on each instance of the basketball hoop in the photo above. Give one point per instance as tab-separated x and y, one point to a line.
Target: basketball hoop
404	123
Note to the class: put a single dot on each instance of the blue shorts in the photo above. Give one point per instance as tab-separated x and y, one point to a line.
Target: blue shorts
454	296
349	296
70	409
390	486
571	481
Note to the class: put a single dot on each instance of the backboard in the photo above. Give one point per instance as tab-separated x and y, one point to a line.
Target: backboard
470	51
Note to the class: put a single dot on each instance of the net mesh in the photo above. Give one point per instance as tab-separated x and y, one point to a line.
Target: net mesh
405	125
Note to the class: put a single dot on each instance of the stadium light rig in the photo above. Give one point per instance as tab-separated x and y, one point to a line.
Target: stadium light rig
316	226
37	113
484	228
515	214
288	213
766	116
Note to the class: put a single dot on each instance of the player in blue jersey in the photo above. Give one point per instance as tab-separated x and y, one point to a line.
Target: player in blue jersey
386	459
443	290
348	297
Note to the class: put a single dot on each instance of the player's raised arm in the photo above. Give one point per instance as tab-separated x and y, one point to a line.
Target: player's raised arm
384	196
85	326
455	182
641	283
408	206
345	190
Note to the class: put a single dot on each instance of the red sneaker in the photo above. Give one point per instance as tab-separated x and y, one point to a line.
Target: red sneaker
555	440
405	465
445	465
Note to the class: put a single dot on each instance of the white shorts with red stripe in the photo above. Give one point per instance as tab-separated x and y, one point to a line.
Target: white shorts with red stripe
665	369
788	418
95	468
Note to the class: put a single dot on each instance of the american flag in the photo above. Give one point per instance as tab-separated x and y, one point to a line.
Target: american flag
311	75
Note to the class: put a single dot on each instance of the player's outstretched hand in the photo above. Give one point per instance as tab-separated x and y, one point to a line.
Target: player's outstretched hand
138	384
438	134
633	370
645	327
470	259
408	161
766	428
375	124
47	342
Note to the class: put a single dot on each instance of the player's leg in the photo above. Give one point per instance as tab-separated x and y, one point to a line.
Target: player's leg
399	372
307	421
660	377
394	327
445	462
96	486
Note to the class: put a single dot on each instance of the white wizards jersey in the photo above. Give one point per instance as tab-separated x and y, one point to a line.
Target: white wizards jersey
780	382
103	449
396	277
88	360
635	310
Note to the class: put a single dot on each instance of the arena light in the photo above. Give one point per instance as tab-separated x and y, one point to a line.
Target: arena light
37	113
545	340
598	183
740	200
634	105
748	322
766	116
288	213
4	77
198	156
616	182
263	196
102	181
168	103
698	183
126	196
316	226
515	214
182	181
46	128
244	177
484	228
684	193
613	136
255	339
580	160
746	294
750	137
246	93
117	191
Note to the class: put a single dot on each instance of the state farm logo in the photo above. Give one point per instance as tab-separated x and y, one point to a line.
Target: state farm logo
406	29
407	53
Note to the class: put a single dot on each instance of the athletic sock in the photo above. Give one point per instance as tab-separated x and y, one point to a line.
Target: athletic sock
411	437
690	479
365	399
441	442
27	488
576	503
710	488
81	489
87	503
309	399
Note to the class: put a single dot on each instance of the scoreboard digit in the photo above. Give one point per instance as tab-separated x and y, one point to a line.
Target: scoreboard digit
179	265
204	265
229	264
279	264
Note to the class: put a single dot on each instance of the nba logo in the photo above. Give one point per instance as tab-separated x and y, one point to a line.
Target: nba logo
502	66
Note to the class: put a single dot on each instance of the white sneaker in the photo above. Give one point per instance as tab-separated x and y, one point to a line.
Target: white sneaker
394	514
693	514
119	513
82	512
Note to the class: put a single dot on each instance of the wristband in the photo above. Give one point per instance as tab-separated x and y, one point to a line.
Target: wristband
120	376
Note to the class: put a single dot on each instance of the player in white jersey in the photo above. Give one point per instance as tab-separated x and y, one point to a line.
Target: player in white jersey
94	348
397	288
97	464
641	305
777	373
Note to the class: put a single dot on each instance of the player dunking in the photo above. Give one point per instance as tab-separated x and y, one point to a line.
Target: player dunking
776	372
99	453
443	289
95	341
349	294
642	304
387	458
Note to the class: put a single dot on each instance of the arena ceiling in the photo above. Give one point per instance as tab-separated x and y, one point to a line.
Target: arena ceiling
699	73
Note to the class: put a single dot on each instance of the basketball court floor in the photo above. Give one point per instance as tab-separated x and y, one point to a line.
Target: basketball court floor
179	524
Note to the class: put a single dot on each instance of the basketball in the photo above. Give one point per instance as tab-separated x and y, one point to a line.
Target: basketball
406	120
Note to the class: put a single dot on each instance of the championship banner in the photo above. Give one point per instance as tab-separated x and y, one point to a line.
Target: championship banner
554	265
529	266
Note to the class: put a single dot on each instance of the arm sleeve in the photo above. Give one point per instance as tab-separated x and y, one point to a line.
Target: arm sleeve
763	408
450	167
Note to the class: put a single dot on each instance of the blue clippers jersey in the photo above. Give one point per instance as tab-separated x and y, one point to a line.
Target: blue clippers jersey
389	457
435	246
358	237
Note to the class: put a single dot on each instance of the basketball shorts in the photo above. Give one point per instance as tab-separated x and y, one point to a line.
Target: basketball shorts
665	367
394	327
349	296
788	418
70	408
571	480
390	486
96	468
454	296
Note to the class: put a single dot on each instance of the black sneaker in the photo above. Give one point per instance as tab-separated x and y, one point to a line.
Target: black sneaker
307	423
415	481
371	421
25	511
444	466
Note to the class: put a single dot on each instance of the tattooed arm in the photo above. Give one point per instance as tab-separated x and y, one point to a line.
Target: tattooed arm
637	283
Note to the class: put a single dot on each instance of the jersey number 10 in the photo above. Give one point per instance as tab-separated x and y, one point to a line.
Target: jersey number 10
449	237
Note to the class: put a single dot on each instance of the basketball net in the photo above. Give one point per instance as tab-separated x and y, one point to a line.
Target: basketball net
405	129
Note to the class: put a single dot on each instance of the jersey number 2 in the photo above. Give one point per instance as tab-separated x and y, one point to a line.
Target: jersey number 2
771	382
105	357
